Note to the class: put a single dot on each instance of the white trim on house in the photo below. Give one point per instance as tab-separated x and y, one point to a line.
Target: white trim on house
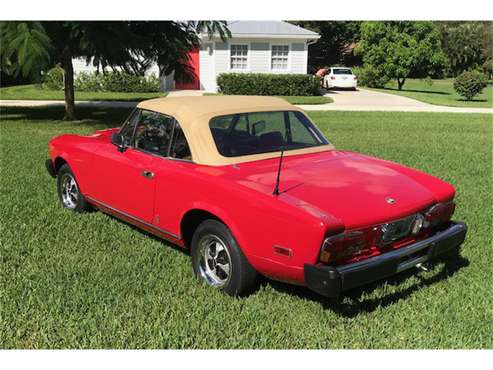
205	37
207	66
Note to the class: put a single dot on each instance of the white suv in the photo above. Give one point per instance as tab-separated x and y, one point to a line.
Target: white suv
340	77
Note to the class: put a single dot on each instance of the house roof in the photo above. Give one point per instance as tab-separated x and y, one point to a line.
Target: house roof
194	113
269	29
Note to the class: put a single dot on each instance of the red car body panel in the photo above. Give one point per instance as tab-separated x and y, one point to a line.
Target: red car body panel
321	194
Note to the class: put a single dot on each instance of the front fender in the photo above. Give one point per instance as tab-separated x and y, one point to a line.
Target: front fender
72	149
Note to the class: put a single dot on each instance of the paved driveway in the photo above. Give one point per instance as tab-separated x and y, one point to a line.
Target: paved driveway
368	100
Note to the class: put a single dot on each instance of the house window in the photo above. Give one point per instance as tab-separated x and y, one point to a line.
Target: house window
239	56
279	58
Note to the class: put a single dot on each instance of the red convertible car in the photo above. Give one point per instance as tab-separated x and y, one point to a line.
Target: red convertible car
251	186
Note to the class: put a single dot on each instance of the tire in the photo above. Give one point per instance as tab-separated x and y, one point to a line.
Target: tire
225	267
69	191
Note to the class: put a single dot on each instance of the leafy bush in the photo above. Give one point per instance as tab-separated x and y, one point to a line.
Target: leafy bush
268	84
470	84
85	81
116	82
53	79
370	77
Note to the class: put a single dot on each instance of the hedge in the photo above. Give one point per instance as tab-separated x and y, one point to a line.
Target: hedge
108	81
268	84
116	82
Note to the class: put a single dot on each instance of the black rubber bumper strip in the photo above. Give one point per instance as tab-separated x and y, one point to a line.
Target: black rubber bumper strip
331	281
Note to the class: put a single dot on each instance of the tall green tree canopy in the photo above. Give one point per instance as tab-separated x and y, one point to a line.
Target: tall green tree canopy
30	47
468	45
398	50
337	39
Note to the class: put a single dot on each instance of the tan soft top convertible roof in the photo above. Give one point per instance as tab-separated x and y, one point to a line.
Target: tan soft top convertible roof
194	113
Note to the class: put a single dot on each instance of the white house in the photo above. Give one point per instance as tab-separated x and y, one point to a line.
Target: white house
254	46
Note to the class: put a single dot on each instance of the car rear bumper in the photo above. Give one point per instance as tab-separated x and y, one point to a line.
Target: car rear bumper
50	168
331	281
342	84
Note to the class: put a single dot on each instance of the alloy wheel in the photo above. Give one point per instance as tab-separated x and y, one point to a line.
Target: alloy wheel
214	261
69	190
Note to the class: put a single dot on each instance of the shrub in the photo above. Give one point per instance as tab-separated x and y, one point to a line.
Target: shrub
116	82
469	84
268	84
370	77
86	81
53	79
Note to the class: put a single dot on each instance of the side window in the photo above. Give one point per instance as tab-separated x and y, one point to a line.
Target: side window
180	148
301	132
153	133
129	126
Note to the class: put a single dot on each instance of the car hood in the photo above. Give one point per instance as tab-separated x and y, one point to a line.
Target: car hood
357	189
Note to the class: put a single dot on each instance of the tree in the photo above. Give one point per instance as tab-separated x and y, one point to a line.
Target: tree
468	45
30	47
25	49
337	40
398	50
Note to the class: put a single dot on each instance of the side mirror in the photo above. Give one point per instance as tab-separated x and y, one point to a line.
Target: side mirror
258	127
117	139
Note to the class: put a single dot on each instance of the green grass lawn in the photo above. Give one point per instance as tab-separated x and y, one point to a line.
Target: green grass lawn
309	100
441	92
35	92
91	281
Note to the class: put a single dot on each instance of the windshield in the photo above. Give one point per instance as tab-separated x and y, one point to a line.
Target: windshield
263	132
342	71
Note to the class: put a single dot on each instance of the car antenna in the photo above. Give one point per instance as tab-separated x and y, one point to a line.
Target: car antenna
276	189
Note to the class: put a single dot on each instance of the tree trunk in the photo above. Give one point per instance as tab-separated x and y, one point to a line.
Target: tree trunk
68	85
400	82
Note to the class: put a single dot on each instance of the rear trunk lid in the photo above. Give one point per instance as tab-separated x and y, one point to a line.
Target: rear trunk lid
359	190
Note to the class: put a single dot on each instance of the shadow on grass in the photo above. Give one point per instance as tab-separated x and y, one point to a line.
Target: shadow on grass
354	302
416	91
166	243
473	100
92	116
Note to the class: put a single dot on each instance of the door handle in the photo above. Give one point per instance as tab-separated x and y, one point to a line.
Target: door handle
147	174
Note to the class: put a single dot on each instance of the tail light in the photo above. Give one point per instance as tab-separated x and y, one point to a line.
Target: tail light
347	244
332	77
359	243
439	214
